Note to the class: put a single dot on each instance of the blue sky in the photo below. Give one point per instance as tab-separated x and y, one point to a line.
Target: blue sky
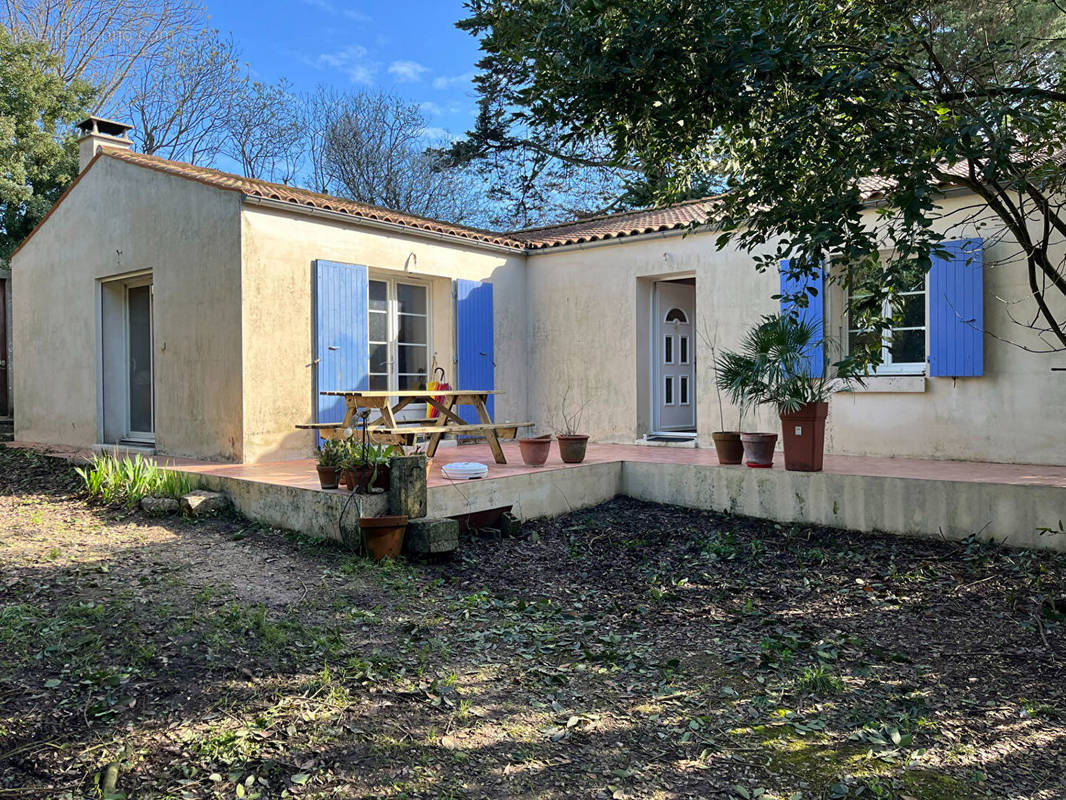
409	47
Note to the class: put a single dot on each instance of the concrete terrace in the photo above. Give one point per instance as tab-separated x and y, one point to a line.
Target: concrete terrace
950	499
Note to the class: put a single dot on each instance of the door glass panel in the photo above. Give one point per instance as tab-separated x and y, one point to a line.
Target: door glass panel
410	299
684	349
412	359
683	389
379	326
379	357
379	383
139	300
668	344
412	382
379	295
412	330
668	391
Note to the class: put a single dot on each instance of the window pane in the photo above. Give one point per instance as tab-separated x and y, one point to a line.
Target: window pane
411	299
412	382
669	352
684	350
412	359
379	355
669	393
683	389
379	294
908	347
909	311
860	340
379	326
379	383
412	330
676	315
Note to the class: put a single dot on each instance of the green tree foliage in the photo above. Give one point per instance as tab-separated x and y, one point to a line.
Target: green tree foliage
38	154
806	107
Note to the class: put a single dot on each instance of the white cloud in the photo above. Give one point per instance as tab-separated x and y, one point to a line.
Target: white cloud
439	135
353	61
407	71
328	7
449	82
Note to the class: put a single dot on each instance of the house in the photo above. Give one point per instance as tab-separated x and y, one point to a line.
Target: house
200	313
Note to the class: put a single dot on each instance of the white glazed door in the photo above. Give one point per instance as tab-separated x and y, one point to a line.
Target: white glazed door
674	352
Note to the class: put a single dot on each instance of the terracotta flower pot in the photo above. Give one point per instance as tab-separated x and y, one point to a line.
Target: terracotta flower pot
328	477
572	447
759	449
728	446
383	536
359	479
535	449
804	437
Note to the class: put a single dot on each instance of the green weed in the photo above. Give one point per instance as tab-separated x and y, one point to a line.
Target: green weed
110	480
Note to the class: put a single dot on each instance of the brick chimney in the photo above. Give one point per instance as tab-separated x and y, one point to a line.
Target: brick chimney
96	133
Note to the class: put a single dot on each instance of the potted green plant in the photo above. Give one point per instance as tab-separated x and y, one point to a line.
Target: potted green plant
330	460
366	467
572	445
771	368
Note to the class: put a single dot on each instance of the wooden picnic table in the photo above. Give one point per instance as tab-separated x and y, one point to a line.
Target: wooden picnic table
385	428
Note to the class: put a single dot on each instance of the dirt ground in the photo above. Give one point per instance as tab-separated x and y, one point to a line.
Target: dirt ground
626	651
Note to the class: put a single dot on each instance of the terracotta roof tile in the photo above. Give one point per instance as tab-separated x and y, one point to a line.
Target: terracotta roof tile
591	229
252	187
613	226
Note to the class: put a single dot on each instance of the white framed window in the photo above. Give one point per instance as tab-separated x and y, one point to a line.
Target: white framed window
903	346
398	315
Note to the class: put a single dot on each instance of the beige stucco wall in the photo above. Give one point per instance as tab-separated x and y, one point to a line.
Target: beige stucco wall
279	249
588	330
122	219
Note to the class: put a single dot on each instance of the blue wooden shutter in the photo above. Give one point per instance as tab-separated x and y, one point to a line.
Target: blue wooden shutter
814	312
475	368
956	311
341	336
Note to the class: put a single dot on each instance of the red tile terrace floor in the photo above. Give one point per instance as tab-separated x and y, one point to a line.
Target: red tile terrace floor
301	473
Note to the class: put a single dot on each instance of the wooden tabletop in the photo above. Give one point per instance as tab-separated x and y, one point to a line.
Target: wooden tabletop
411	393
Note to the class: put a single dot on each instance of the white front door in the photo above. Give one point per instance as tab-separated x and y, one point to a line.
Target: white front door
674	355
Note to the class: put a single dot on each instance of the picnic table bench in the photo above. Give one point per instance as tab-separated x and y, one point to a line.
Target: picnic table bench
385	428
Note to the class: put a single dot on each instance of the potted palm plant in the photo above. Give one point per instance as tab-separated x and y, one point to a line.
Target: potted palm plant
330	460
772	368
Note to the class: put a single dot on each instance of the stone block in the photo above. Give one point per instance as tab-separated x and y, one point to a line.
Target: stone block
407	486
160	506
200	503
431	536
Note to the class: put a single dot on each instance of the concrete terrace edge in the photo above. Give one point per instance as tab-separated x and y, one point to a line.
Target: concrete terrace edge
1007	513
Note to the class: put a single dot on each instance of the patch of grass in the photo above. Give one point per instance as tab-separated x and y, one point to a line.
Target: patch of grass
819	681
